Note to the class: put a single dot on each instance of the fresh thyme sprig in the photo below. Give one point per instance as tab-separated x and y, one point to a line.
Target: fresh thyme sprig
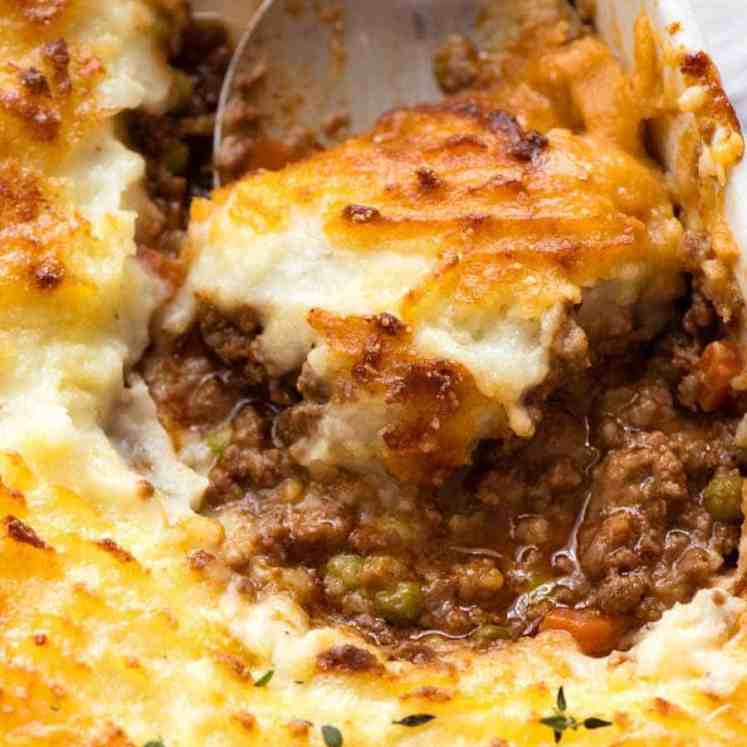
561	720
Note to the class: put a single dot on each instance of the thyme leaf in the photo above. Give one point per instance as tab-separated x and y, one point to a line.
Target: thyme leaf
416	719
332	736
264	679
596	723
561	721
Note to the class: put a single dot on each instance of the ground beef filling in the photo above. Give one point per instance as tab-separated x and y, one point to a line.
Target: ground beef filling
627	500
178	145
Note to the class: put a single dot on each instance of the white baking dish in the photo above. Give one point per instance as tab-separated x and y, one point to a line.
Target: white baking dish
615	21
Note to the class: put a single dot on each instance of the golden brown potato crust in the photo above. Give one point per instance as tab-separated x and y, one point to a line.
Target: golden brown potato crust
512	223
116	627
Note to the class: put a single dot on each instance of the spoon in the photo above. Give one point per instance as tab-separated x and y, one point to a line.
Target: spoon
307	72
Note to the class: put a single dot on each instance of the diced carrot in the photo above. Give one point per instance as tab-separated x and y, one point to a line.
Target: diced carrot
596	634
719	364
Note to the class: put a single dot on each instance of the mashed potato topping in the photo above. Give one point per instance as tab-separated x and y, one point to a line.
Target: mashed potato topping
470	237
73	303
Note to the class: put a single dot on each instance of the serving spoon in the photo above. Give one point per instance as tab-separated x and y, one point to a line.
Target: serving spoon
316	69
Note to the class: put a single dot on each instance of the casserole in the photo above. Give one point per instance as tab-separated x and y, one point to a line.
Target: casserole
124	618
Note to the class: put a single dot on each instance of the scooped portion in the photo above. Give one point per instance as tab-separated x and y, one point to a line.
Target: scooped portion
462	375
426	279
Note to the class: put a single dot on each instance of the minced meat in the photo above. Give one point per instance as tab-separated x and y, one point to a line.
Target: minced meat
178	145
626	500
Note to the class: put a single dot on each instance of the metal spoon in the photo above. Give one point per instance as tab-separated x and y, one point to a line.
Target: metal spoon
311	66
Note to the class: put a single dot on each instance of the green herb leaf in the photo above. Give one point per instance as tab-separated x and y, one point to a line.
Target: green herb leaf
559	722
417	719
264	679
154	743
332	736
596	723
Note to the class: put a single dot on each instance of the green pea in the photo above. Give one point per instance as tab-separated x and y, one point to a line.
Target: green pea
722	497
183	88
218	440
347	568
486	633
176	157
402	604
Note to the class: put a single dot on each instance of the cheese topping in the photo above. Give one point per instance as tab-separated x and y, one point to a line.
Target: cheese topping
696	639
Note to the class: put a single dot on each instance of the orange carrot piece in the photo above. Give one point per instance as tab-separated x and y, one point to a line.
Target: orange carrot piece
595	634
719	364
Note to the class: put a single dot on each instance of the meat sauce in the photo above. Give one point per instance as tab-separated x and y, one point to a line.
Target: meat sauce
178	145
627	499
